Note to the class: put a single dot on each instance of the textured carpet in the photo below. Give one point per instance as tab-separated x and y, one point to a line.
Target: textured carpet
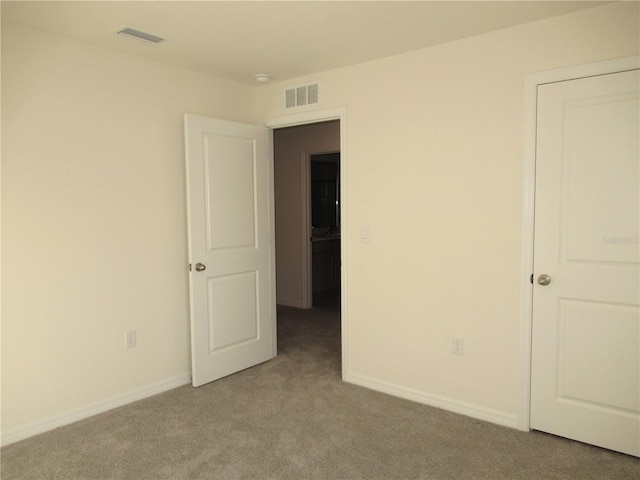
293	418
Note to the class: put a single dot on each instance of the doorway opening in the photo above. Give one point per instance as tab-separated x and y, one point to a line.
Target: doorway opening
298	151
245	153
308	214
334	119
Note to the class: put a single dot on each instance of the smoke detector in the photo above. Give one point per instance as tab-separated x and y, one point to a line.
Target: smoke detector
262	77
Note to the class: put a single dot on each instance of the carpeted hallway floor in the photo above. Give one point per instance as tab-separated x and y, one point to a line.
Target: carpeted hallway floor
293	418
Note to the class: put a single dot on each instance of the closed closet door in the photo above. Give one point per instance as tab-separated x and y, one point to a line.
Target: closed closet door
585	377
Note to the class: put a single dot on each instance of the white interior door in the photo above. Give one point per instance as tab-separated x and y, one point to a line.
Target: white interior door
585	377
231	246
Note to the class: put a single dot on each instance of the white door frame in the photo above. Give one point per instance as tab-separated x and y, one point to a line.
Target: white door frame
317	116
532	81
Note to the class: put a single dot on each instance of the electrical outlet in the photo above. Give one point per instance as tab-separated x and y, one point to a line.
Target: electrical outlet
130	339
457	346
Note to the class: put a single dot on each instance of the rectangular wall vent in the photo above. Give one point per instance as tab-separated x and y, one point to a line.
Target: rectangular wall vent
300	96
139	35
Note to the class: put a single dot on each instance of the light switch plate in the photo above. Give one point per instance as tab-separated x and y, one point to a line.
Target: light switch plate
365	234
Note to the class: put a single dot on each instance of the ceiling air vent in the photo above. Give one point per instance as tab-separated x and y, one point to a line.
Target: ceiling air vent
300	96
139	35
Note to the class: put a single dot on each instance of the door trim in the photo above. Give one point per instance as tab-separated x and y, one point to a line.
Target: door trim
532	81
317	116
307	279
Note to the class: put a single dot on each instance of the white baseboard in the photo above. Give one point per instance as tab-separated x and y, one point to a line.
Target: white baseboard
76	414
73	415
455	406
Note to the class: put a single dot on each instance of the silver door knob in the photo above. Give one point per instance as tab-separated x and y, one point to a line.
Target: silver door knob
200	267
544	279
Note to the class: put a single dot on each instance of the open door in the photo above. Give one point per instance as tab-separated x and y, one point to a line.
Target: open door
231	246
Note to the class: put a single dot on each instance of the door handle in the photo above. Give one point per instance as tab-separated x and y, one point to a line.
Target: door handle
200	267
543	279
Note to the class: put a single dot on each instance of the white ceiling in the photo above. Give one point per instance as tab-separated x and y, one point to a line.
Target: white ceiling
237	39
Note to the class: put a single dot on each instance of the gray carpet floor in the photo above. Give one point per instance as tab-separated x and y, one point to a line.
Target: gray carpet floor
293	418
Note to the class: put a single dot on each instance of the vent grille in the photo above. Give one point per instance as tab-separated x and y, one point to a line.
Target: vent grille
301	96
312	93
139	35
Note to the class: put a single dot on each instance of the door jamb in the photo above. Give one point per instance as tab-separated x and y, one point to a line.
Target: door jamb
532	81
318	116
307	277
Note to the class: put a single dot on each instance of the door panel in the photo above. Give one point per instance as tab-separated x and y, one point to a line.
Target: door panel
231	233
223	292
585	378
616	329
230	172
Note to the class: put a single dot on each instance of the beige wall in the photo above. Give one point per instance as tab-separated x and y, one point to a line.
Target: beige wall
94	222
291	147
434	154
